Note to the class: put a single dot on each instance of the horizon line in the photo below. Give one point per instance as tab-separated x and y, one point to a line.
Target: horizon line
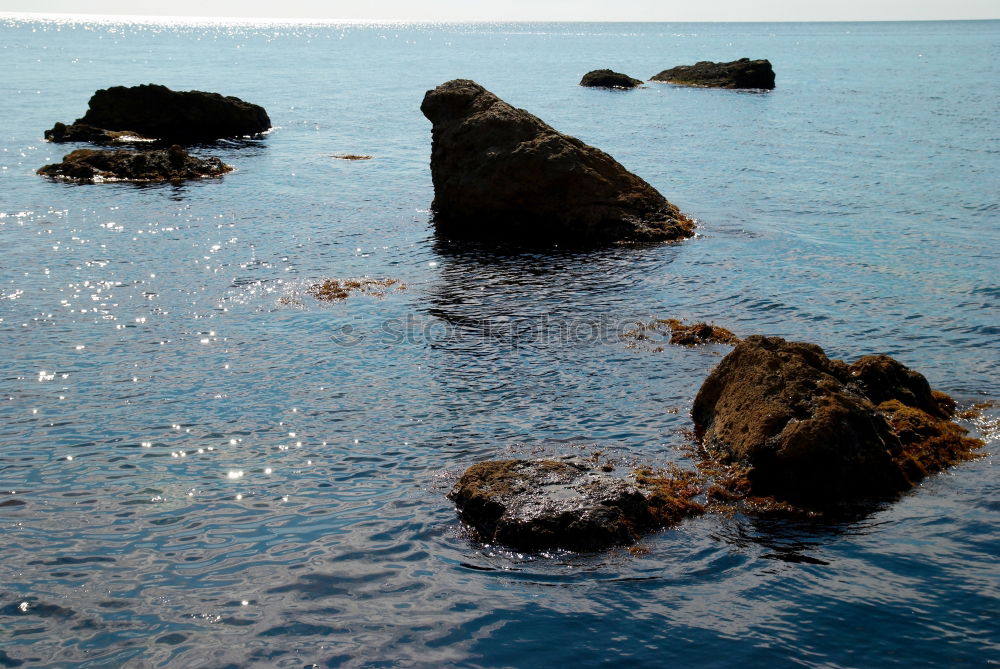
100	17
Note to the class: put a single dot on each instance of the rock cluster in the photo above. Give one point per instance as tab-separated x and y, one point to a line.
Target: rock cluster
90	165
501	173
818	431
742	73
156	112
609	79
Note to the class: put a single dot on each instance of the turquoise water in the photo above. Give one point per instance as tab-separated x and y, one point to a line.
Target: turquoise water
202	466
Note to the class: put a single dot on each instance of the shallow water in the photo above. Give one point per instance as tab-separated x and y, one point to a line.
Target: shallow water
201	465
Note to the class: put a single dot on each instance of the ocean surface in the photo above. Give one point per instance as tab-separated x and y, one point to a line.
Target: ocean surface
201	465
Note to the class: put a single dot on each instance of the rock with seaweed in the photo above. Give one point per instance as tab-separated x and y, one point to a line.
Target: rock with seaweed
609	79
95	165
742	73
157	112
501	173
813	430
569	503
678	333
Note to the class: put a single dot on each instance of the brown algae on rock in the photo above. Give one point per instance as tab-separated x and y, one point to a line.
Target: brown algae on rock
928	444
676	332
351	156
337	290
671	492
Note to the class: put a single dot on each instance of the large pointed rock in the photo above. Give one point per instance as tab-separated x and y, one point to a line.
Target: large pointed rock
501	173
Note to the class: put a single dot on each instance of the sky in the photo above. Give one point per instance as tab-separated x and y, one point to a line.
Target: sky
534	10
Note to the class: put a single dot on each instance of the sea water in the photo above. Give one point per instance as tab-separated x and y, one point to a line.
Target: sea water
201	465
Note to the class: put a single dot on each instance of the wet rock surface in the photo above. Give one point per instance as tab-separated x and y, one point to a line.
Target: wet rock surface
815	430
90	165
501	173
154	111
609	79
536	505
742	73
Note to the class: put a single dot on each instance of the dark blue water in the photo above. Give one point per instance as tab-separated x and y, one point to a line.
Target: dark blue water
203	466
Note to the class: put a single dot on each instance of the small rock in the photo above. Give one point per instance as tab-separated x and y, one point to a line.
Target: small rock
609	79
681	334
90	165
568	503
742	73
503	174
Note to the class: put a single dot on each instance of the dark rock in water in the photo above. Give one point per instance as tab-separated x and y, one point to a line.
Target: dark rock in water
818	431
567	503
81	132
742	73
154	111
609	79
501	173
171	164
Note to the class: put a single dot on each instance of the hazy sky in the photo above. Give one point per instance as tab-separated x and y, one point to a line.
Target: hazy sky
540	10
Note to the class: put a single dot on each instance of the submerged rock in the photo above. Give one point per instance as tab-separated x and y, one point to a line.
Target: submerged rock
567	503
154	111
501	173
89	165
338	290
679	333
817	431
609	79
742	73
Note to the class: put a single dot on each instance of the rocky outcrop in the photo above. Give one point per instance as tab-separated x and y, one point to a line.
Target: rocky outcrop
156	112
742	73
90	165
818	431
536	505
609	79
501	173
